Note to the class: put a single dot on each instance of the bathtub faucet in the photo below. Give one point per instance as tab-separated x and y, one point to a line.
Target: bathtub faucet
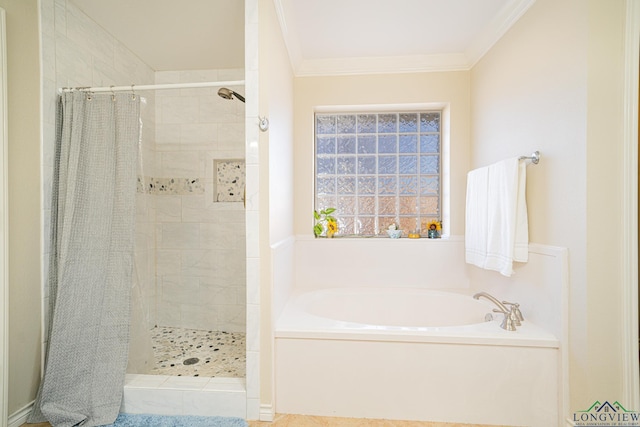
492	299
512	316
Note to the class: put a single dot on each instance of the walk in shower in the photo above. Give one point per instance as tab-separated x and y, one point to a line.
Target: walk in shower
189	304
188	314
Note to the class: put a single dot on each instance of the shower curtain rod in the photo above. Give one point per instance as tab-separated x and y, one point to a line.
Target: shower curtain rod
135	88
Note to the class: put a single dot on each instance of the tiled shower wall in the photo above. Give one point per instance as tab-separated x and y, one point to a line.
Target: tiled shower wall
200	279
77	52
200	242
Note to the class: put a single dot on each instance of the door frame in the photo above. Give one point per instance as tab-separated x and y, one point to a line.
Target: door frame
4	230
630	329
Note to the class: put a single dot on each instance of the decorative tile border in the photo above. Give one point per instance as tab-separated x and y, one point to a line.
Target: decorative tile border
170	186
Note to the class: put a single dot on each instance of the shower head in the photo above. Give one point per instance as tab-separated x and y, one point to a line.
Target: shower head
225	93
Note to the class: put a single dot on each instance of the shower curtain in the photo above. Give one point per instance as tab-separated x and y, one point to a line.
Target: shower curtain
91	262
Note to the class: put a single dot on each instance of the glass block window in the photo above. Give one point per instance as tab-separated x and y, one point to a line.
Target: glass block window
377	169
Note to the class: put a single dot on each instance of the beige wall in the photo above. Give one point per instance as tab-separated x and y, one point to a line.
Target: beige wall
23	81
276	78
604	183
554	83
276	173
451	88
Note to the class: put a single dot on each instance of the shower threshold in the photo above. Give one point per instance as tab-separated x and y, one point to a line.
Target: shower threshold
173	395
207	376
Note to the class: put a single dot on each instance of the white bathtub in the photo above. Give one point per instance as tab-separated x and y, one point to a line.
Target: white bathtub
404	353
401	307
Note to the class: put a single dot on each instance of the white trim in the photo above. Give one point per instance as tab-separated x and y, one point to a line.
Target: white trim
252	212
509	15
20	416
288	241
267	412
380	108
291	42
382	65
4	231
562	254
564	392
631	381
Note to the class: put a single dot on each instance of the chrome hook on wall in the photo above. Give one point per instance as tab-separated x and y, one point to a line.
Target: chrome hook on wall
263	123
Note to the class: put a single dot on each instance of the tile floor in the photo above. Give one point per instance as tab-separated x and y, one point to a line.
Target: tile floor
288	420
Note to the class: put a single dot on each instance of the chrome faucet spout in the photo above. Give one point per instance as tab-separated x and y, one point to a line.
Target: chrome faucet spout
493	300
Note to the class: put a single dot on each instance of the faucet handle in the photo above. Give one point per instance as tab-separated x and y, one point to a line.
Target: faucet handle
508	323
515	307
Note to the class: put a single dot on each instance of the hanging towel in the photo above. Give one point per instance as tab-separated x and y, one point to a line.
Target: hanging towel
496	216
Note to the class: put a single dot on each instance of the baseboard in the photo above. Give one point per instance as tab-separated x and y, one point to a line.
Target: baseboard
20	416
266	413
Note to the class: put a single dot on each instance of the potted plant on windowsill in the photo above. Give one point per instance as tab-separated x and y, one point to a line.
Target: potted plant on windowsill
325	223
434	228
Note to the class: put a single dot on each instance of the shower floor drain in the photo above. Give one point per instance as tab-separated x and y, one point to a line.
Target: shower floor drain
191	361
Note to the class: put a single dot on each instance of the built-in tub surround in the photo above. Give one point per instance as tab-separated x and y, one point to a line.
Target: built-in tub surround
409	365
360	324
380	262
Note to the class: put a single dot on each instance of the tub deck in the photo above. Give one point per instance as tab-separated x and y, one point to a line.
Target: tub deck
296	322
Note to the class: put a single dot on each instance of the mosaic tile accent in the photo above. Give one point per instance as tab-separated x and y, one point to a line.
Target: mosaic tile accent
230	180
170	186
196	353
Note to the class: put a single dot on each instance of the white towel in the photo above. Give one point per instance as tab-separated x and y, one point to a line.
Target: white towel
496	216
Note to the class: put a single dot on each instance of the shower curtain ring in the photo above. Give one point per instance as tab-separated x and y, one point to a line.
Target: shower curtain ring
113	93
133	93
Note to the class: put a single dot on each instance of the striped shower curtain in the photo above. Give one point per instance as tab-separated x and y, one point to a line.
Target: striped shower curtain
91	262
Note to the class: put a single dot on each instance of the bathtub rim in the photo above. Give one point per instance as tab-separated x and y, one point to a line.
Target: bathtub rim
295	323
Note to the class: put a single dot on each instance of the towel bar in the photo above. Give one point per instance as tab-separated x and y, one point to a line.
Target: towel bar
535	157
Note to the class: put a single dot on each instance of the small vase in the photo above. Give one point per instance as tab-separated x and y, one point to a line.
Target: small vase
330	234
394	234
432	234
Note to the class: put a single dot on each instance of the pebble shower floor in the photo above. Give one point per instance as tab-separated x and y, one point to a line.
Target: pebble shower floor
195	353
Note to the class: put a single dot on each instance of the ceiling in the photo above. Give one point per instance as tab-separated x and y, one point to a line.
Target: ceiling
322	36
170	36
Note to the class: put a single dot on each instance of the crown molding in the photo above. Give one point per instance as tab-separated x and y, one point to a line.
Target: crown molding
399	64
290	40
381	65
503	21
